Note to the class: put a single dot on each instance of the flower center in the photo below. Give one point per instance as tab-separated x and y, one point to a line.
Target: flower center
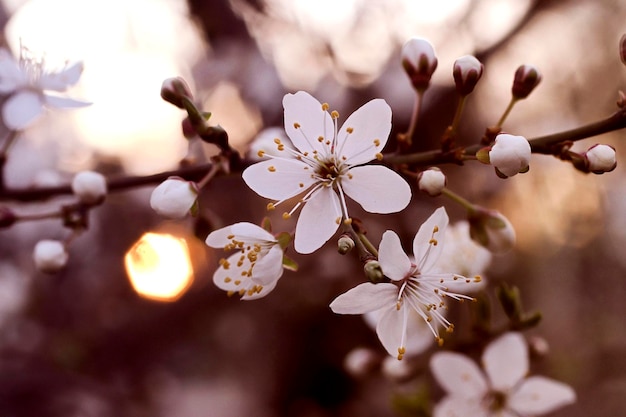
495	401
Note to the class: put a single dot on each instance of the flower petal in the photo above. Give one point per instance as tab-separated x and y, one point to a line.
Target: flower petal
58	102
451	406
304	110
318	221
251	232
539	395
260	294
278	179
391	327
234	282
59	81
458	375
364	298
22	109
11	75
269	267
219	238
370	126
505	361
377	189
426	253
393	261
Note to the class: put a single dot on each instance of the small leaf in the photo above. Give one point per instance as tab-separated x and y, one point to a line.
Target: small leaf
266	224
290	264
510	300
284	239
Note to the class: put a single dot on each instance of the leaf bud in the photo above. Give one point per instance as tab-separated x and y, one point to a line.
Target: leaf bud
466	71
419	62
175	91
526	78
432	181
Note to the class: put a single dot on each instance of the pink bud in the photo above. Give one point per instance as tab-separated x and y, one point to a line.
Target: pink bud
526	79
419	62
467	70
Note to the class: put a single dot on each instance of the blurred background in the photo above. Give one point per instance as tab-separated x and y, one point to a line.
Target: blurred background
85	343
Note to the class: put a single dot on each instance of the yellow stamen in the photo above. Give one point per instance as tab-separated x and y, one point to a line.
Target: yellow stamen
286	215
271	168
261	153
379	156
325	106
334	114
376	142
270	206
350	129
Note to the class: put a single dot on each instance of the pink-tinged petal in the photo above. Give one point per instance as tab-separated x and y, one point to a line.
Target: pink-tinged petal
427	252
59	81
303	110
391	328
318	221
395	264
458	375
451	406
22	109
251	232
370	126
278	179
377	189
505	361
269	267
365	298
58	102
538	395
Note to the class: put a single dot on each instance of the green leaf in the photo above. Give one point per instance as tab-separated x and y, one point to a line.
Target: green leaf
290	264
284	239
266	224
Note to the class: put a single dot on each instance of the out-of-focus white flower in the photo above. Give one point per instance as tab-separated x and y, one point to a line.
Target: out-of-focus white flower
432	181
466	71
397	371
413	287
503	390
266	143
174	197
327	165
601	158
510	154
29	85
50	255
257	264
527	77
463	255
492	230
89	186
361	361
419	62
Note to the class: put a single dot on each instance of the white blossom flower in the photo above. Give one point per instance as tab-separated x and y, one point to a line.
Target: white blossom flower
327	165
510	154
265	143
89	186
174	197
601	158
431	181
503	390
255	267
413	287
30	84
492	230
50	255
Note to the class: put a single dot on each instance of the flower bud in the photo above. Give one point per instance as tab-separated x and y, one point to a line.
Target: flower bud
510	155
600	158
492	230
622	49
360	361
466	71
419	62
345	244
432	181
174	197
90	187
7	217
526	79
50	255
373	271
175	90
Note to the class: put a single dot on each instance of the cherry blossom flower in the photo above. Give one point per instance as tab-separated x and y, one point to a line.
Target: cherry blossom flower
174	197
414	287
503	390
257	264
327	165
510	154
30	84
600	158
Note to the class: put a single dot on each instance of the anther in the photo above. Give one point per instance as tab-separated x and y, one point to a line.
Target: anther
261	153
334	114
338	220
349	129
435	229
271	168
379	156
477	278
230	293
320	139
227	280
325	106
277	141
296	125
376	142
433	242
286	215
347	221
270	206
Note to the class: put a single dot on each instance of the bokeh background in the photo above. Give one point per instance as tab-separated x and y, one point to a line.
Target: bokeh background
83	343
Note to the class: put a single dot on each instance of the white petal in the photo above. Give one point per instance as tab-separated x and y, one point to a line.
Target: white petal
22	109
370	125
303	109
59	81
458	375
219	238
451	406
251	232
365	298
59	102
231	279
426	254
11	75
260	294
377	189
318	221
393	261
391	328
419	337
269	268
505	361
278	179
538	395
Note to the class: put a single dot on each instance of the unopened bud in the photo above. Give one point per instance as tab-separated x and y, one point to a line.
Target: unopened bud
7	217
538	346
345	244
174	197
50	255
176	91
360	362
215	135
466	71
90	187
622	49
492	230
373	271
600	159
526	79
510	155
432	181
419	62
